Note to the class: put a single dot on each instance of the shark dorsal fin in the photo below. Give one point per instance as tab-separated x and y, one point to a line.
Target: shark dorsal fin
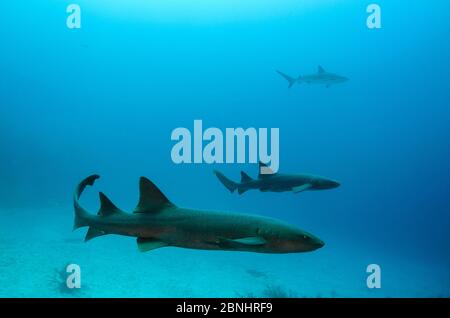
151	198
266	167
106	206
320	70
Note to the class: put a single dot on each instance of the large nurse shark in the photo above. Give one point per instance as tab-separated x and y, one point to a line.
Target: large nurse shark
277	182
157	222
321	77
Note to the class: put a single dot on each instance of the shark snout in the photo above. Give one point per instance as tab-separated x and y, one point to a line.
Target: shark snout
310	242
342	79
323	184
333	184
318	243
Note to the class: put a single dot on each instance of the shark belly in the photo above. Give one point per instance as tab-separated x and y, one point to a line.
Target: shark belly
205	230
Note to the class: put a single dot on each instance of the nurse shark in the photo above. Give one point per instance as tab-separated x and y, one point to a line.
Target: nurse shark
321	77
157	222
277	182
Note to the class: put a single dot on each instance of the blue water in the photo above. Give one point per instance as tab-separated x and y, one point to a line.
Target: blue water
105	99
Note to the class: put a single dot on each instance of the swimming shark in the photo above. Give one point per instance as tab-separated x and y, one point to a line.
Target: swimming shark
277	182
321	77
157	222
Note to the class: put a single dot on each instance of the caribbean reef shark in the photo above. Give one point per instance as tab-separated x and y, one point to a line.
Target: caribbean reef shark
157	222
277	182
321	77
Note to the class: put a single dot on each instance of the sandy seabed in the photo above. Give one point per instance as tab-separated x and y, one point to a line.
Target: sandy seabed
36	246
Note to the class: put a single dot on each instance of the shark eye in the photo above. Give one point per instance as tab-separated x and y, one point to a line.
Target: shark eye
306	238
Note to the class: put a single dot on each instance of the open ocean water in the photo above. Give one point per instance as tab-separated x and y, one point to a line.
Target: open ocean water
106	97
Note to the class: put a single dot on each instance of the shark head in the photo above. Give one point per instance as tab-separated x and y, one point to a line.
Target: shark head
342	79
321	183
336	79
284	238
297	241
301	241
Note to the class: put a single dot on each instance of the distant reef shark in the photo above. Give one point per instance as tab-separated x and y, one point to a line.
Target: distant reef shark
157	222
277	182
322	77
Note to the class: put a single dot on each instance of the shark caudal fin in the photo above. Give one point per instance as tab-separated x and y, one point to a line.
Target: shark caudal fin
242	190
107	208
80	213
229	184
290	79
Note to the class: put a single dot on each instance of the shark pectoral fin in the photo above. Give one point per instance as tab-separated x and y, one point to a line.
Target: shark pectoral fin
93	233
253	240
301	188
225	243
148	244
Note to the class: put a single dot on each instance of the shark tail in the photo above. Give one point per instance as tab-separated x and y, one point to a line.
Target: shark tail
290	79
83	218
229	184
80	213
242	190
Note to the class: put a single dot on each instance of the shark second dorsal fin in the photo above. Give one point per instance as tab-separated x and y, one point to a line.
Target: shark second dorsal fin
106	206
266	167
320	70
151	198
245	177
